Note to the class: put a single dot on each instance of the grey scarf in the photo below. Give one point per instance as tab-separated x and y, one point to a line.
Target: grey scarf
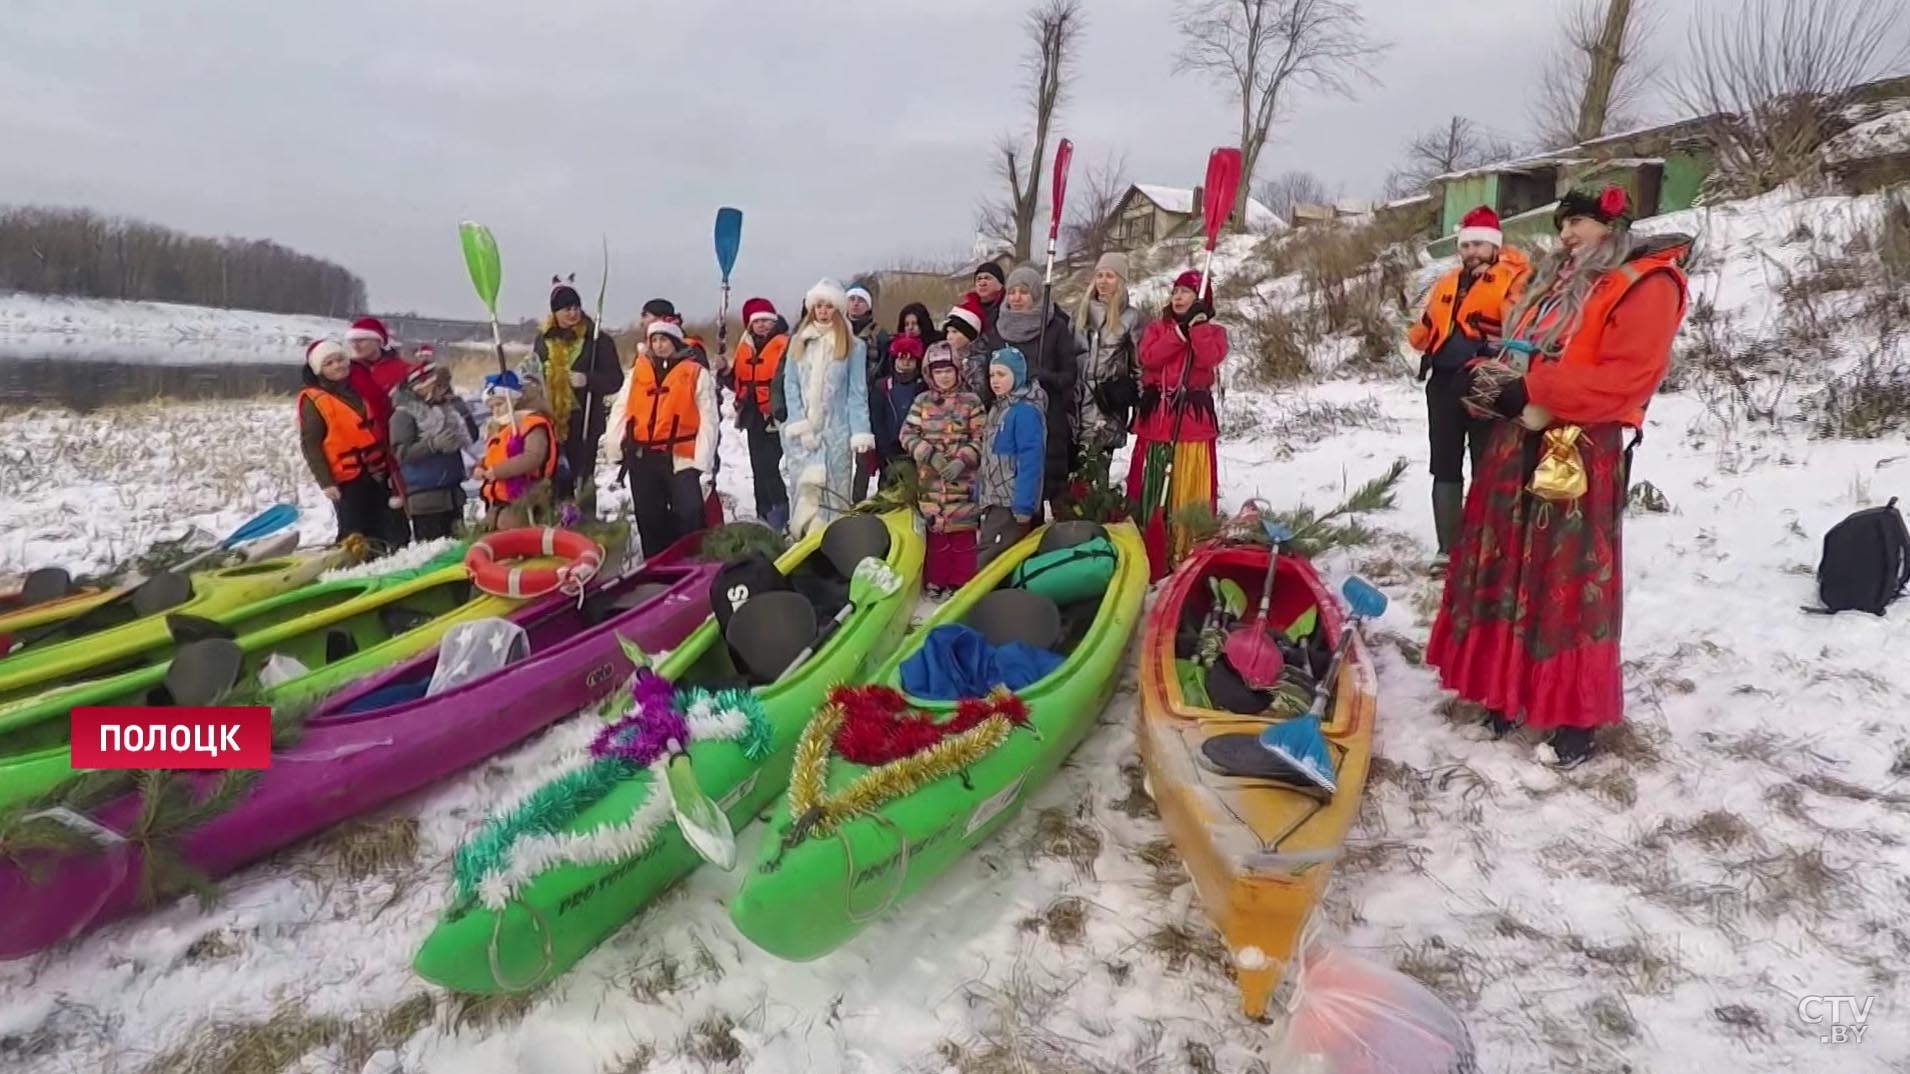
1019	327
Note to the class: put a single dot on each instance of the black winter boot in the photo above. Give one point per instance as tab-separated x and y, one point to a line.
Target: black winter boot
1449	509
1571	747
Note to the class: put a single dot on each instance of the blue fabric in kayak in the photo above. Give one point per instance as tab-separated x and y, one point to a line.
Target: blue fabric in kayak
956	662
396	693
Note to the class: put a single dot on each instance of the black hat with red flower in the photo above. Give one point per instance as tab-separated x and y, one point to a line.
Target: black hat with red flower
1607	206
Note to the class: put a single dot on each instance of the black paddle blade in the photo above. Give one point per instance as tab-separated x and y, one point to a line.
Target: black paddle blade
45	584
1243	757
204	672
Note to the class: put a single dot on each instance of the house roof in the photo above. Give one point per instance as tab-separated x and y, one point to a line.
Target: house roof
1563	155
1180	200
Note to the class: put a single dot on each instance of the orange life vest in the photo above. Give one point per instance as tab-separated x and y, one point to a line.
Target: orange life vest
351	439
756	372
662	416
498	449
1583	340
1481	313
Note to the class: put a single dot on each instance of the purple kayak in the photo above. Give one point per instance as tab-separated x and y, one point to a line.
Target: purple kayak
370	744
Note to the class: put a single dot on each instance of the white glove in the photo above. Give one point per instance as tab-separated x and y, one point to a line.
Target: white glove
862	443
578	380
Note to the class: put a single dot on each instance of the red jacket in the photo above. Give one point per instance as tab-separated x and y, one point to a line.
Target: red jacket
1163	355
374	381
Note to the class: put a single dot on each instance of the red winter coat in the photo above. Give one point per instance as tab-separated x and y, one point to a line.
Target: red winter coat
1163	355
374	381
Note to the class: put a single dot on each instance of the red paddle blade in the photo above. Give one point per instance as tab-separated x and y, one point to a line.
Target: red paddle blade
1063	155
1223	182
1154	538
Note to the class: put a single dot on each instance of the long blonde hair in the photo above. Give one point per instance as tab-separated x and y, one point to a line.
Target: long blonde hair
844	340
1611	252
1117	305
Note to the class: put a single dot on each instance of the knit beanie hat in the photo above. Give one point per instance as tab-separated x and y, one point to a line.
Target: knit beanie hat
1481	225
1189	281
989	268
563	293
369	328
665	327
853	293
905	347
1606	206
757	307
966	319
321	349
421	373
1113	261
659	307
940	356
1010	359
1026	276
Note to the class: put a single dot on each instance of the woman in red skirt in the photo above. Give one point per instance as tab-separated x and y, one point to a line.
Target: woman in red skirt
1180	357
1529	624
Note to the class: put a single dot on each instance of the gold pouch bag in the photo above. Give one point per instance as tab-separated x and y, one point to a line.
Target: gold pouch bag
1560	475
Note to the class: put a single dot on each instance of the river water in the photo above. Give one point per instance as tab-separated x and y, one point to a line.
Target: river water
88	385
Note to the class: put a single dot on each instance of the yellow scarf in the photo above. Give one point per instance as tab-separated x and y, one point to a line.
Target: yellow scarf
559	353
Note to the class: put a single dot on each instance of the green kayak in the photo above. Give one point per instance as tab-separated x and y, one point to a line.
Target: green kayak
549	879
851	842
334	632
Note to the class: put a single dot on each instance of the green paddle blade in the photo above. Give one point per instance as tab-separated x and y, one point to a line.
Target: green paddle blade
481	259
703	824
633	652
1229	596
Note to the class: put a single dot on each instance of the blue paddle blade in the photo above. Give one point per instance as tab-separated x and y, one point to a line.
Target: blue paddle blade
729	238
1365	601
267	522
1301	744
1277	531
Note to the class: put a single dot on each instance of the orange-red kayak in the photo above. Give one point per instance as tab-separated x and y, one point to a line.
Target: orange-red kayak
1259	854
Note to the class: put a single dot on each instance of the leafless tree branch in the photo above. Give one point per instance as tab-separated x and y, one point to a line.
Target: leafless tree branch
1092	201
1596	79
1265	52
1054	29
1291	188
1781	70
1455	145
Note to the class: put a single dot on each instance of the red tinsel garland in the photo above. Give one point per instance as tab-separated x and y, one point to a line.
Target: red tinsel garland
878	726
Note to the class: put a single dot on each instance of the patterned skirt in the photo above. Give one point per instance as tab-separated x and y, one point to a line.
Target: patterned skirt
1529	623
1195	471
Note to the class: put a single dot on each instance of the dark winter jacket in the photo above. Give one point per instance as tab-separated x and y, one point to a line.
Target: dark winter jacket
890	399
778	405
428	440
1056	369
943	434
596	358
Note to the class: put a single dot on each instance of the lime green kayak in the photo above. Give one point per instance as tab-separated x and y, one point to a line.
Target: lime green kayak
839	853
336	632
521	915
106	636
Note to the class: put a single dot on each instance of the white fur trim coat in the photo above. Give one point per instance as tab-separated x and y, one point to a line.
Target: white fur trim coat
828	424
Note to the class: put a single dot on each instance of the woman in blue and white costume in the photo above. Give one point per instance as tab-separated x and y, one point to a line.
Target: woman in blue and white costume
827	395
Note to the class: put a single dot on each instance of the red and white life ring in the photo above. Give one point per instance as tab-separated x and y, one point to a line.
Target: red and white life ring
490	568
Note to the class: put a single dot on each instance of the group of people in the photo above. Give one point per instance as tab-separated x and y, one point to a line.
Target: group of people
1003	408
1540	377
1007	404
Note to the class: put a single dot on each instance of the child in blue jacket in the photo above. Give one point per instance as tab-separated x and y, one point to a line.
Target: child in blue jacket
1014	450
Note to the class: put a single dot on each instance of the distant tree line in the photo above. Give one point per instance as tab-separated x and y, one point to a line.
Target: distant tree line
81	253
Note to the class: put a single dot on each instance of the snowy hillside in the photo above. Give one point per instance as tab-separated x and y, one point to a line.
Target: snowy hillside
1742	845
84	329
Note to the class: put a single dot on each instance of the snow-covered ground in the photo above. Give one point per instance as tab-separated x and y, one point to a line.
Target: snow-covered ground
1741	846
160	333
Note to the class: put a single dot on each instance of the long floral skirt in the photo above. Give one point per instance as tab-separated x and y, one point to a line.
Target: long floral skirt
1529	623
1195	472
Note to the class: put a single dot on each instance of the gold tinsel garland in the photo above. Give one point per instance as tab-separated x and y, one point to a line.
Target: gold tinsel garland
816	811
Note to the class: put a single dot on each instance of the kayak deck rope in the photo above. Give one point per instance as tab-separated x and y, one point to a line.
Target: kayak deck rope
849	865
544	933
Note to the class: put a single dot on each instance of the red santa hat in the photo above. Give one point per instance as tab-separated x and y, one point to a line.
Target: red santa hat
757	307
1481	225
969	315
369	328
319	350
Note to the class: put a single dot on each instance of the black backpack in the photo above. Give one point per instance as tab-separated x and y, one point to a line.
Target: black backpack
1866	561
740	579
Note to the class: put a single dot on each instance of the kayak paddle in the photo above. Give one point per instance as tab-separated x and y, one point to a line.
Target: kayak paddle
1063	154
1299	742
1251	647
482	261
1223	181
873	579
587	481
702	822
264	524
729	241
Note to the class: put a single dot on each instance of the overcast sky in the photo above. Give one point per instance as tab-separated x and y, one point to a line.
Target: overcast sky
852	133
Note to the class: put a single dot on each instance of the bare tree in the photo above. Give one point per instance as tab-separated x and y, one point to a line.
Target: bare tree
1091	204
1454	146
1777	72
1265	51
1054	28
1288	189
1596	79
